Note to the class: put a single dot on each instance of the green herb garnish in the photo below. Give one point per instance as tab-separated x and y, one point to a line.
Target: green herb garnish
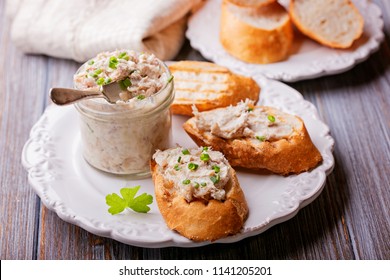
113	62
185	152
271	118
100	81
179	159
203	184
186	181
122	55
177	167
127	82
216	168
129	200
261	138
250	109
91	62
141	97
107	81
215	179
205	149
192	166
205	157
196	185
170	79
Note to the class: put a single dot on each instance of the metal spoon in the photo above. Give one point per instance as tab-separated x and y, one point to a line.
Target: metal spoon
65	96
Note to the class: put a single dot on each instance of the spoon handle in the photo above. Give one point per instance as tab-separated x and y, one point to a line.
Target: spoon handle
64	96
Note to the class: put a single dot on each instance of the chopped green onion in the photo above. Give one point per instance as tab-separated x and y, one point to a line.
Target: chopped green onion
177	167
98	71
205	149
250	109
122	55
113	62
261	138
122	86
170	79
126	57
91	62
179	159
196	185
216	168
203	184
108	80
186	181
185	152
205	157
100	81
141	97
113	59
215	179
127	82
271	118
192	166
112	65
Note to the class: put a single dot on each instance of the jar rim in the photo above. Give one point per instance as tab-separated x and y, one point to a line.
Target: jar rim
121	109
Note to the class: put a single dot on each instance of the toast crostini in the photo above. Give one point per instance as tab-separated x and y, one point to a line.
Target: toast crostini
198	194
208	86
256	137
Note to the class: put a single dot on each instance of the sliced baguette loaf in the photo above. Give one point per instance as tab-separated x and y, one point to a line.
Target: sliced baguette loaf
256	35
189	200
335	23
256	138
251	3
208	86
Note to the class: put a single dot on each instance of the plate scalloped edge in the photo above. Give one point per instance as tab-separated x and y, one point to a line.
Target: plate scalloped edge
335	63
38	158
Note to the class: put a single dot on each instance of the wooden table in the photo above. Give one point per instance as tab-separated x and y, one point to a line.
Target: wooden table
349	220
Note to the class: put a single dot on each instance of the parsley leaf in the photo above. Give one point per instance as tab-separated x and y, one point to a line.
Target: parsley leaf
129	200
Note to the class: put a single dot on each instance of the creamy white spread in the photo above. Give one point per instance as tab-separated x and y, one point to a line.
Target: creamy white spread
140	75
121	138
196	173
246	121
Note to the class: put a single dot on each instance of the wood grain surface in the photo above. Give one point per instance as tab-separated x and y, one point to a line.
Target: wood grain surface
349	220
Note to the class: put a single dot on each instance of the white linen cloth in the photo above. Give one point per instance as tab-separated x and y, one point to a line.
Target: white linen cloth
80	29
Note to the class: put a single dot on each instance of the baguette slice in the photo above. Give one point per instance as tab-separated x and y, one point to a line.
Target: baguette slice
208	86
336	23
251	140
251	3
199	219
256	35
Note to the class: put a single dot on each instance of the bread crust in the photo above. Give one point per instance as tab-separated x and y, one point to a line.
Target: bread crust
199	220
293	155
252	44
254	4
311	34
239	88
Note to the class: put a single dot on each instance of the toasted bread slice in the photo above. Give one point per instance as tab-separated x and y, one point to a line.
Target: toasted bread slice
251	3
197	207
261	138
336	24
256	35
208	86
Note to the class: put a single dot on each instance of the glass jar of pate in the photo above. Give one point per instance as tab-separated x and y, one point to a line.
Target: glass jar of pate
121	138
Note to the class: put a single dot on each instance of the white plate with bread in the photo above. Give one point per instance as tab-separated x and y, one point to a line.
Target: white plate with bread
74	190
267	37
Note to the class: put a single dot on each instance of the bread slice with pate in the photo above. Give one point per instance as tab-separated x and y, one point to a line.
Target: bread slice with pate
335	23
256	35
198	194
208	86
256	137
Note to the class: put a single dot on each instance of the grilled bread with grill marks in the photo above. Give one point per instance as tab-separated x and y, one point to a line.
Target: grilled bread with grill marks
208	86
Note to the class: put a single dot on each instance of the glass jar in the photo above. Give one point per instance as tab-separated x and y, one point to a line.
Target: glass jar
121	138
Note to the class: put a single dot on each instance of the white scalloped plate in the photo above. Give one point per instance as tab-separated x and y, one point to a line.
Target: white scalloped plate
67	185
308	59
